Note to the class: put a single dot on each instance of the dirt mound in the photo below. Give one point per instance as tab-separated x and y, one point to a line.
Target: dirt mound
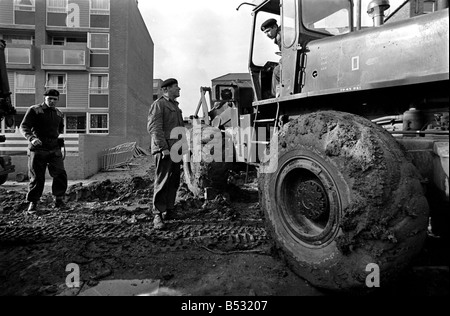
136	188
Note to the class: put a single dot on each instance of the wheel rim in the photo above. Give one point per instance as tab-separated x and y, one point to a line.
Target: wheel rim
308	201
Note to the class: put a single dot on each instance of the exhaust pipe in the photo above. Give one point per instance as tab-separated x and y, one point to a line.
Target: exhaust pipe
376	11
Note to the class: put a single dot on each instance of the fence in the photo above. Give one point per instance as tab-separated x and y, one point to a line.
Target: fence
118	156
17	145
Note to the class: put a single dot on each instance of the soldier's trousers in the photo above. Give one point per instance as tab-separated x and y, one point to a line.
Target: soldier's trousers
38	161
167	181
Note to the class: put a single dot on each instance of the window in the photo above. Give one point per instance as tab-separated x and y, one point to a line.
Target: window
24	5
18	55
99	91
99	16
57	13
57	81
57	6
75	124
289	18
100	7
327	16
98	41
25	83
98	124
25	89
61	40
99	60
99	84
264	49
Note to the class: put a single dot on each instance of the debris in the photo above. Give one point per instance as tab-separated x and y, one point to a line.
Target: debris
121	156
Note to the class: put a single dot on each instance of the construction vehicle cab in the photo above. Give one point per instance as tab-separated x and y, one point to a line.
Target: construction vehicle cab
300	22
304	21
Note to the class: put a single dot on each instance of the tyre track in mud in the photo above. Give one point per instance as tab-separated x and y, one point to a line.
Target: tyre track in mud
245	234
214	224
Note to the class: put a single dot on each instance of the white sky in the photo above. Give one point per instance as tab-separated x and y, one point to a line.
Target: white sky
197	41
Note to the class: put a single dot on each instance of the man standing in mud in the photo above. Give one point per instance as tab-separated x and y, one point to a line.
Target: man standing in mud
164	116
41	126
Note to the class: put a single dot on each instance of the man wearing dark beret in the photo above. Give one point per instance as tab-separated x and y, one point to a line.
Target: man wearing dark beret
164	116
41	126
273	31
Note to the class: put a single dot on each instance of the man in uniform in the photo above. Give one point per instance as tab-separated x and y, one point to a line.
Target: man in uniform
273	31
163	117
41	126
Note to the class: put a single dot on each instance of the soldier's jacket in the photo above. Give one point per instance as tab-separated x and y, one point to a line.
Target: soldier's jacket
164	115
44	123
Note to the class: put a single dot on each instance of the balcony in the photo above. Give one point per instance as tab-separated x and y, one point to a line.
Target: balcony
69	57
20	56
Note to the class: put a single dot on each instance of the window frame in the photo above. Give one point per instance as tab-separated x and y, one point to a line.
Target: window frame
89	42
349	23
90	129
94	11
24	90
8	49
92	90
53	9
62	90
67	115
17	6
99	53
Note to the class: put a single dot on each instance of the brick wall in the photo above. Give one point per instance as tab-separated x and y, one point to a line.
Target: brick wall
140	56
131	91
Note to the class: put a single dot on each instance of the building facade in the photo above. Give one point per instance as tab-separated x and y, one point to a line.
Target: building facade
98	54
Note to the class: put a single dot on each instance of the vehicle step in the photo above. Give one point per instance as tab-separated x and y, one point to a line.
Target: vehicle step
260	142
265	121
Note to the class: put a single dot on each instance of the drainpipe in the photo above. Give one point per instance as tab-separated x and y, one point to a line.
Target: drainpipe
376	11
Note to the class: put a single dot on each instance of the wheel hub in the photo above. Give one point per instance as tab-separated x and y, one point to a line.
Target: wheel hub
309	204
312	200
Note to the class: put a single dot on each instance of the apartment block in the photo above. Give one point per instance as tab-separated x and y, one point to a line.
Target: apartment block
98	54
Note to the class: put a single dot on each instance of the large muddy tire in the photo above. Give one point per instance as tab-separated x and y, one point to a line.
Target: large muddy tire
3	178
202	174
343	196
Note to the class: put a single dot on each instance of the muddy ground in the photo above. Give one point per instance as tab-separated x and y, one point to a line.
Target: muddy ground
210	248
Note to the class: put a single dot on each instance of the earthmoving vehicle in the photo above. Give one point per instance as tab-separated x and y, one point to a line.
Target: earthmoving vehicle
352	153
7	112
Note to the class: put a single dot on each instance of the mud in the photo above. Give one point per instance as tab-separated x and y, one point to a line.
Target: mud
211	247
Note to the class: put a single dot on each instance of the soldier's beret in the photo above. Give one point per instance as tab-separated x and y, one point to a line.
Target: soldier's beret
169	82
52	93
268	23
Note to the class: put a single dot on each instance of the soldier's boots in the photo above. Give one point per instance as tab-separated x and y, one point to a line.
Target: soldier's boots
158	223
167	215
32	208
59	202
